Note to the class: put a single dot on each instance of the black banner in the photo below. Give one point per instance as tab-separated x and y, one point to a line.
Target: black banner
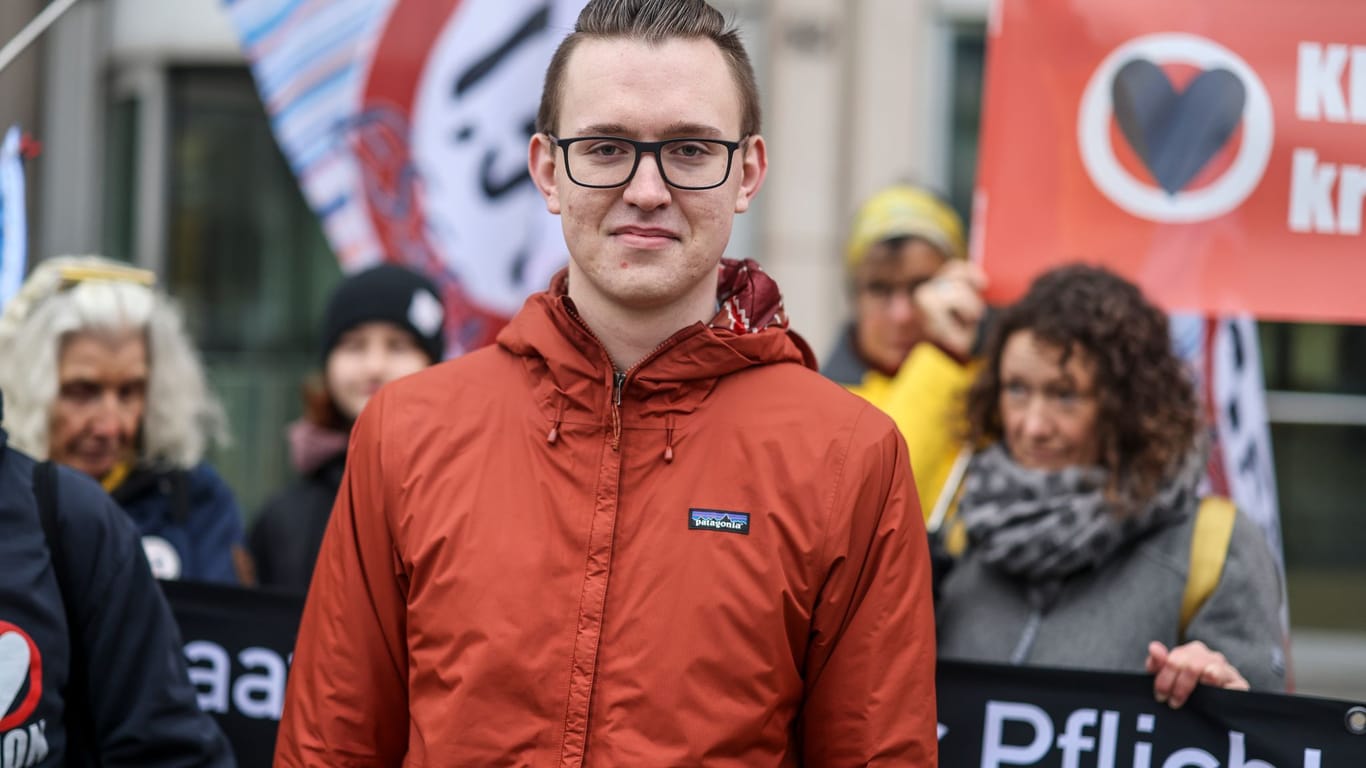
994	716
238	644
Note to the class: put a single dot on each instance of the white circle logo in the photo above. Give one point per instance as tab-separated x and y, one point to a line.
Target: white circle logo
162	557
1175	134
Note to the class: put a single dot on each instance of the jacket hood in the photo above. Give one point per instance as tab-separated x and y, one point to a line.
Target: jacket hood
750	329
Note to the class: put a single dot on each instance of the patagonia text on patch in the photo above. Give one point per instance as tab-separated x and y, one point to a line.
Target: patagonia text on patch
718	520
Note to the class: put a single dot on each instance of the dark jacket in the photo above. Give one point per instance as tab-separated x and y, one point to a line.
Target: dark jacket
136	699
193	512
288	532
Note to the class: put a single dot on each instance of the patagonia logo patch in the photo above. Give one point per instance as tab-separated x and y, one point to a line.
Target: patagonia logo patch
718	520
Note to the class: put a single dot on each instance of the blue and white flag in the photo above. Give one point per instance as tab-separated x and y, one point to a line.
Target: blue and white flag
406	123
13	224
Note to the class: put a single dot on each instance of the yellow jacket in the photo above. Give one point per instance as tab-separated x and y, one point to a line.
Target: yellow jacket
924	398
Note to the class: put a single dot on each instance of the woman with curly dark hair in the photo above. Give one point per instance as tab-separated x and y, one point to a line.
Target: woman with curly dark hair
1080	504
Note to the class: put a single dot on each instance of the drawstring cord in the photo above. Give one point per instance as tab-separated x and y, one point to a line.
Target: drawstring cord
553	435
669	440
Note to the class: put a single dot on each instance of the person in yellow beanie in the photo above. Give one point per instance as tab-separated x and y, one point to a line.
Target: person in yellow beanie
917	304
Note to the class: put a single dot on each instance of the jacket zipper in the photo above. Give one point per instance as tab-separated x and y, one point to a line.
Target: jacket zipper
618	384
574	746
619	378
1028	635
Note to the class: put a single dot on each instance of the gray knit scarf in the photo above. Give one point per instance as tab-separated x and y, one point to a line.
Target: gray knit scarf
1042	526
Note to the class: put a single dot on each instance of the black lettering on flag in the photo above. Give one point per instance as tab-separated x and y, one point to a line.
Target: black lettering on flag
535	24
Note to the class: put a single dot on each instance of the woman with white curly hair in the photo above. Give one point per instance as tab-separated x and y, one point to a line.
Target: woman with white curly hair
99	374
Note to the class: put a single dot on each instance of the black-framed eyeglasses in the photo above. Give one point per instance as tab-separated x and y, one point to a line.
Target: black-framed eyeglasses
603	162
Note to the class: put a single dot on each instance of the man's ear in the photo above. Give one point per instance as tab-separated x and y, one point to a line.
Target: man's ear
753	168
541	156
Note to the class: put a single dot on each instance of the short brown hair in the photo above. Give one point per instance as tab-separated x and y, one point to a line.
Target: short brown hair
1148	419
320	408
653	21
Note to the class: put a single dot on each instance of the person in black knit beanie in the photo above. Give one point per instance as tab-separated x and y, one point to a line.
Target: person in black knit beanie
387	293
380	324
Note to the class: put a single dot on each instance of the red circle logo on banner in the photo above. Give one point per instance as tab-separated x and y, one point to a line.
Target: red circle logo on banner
1176	133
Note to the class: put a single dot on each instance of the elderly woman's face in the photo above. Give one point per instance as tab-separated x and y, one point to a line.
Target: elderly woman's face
101	398
1048	409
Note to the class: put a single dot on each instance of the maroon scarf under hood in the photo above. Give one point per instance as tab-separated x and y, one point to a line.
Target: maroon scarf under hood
750	300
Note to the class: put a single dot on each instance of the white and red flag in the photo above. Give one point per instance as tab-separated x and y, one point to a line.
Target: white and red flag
406	123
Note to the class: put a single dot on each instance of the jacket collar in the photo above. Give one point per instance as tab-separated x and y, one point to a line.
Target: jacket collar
567	362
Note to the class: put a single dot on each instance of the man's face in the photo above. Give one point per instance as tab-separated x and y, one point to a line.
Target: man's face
886	320
101	397
647	246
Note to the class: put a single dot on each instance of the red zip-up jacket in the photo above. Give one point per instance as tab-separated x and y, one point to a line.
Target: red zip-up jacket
715	560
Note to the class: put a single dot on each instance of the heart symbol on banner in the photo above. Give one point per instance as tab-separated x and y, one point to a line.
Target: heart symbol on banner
1176	134
14	666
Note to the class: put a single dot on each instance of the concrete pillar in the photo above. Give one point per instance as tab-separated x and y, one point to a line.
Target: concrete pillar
71	167
807	132
888	79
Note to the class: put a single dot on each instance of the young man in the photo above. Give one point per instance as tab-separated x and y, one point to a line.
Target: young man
639	530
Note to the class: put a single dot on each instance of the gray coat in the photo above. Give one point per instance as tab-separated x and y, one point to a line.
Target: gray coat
1104	619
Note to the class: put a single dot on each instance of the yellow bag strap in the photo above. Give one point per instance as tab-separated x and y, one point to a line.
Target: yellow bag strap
946	506
1209	548
945	521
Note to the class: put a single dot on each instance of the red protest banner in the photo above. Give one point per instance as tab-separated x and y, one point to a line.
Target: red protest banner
1214	153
